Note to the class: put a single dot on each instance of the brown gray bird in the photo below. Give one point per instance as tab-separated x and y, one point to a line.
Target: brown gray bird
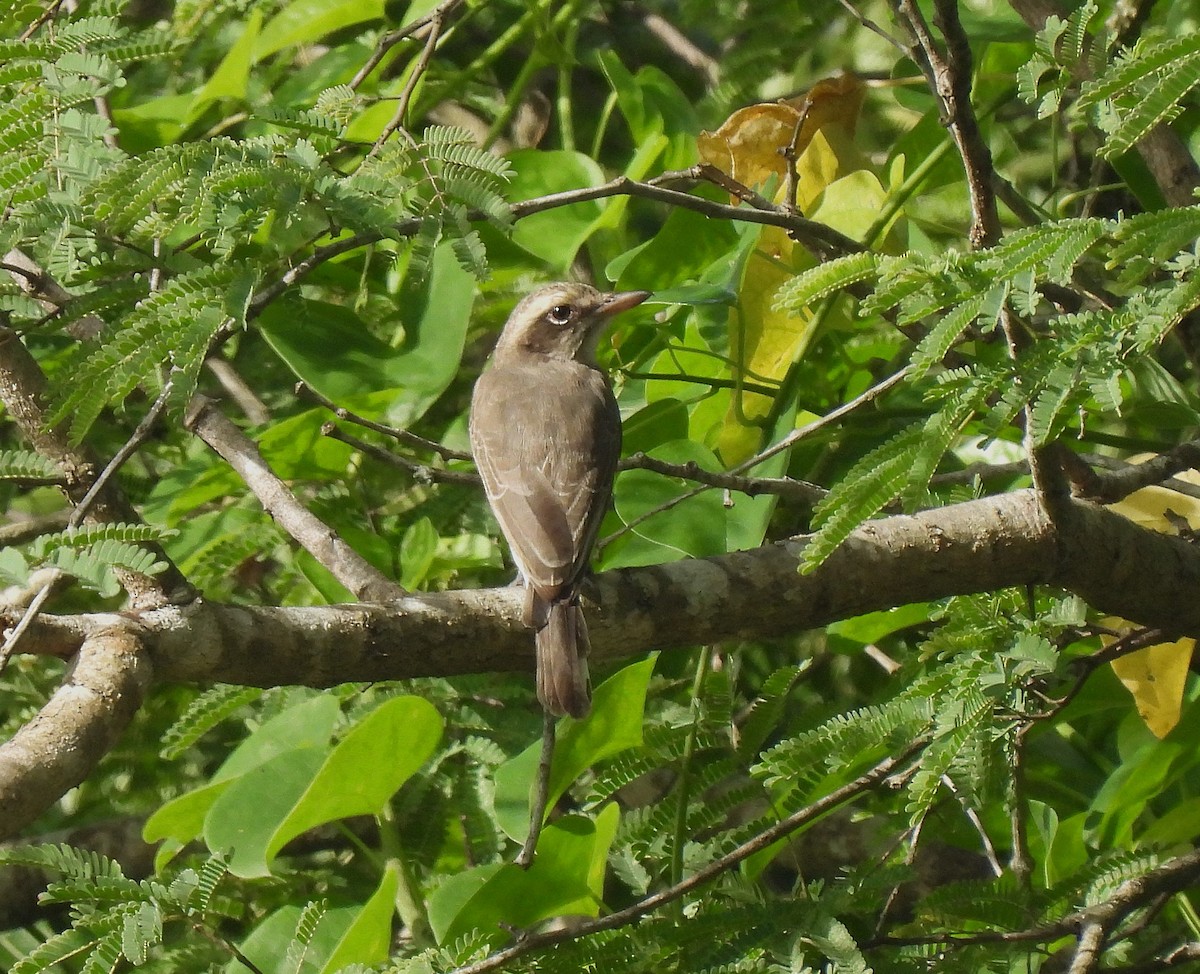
546	435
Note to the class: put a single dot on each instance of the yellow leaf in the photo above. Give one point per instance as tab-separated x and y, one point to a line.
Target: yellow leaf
1156	675
833	184
750	145
763	341
747	146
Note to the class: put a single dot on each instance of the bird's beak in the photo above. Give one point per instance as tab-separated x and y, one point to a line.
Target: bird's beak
620	301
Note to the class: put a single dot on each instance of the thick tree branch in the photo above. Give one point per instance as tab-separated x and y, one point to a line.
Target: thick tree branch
78	725
22	390
322	542
983	545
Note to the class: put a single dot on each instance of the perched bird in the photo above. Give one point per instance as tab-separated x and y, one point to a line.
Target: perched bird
546	435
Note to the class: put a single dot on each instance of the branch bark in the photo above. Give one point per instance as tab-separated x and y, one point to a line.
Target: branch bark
322	542
983	545
22	391
78	725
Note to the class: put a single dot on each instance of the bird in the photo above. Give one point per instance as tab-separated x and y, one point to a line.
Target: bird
545	432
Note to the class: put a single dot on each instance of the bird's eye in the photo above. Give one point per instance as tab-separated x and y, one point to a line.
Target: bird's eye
560	314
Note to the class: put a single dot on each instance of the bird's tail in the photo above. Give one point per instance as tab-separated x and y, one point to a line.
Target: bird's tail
562	670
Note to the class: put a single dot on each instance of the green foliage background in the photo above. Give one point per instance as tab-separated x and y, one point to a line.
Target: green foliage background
230	200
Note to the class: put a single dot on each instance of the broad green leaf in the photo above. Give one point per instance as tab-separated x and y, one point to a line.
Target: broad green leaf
1179	825
1136	782
248	814
695	527
852	204
306	724
305	21
556	235
661	118
368	938
332	350
614	725
311	784
232	75
870	628
267	945
153	123
418	548
381	752
688	244
180	821
566	878
653	425
296	448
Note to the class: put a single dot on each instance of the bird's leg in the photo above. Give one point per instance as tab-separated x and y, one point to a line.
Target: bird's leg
541	792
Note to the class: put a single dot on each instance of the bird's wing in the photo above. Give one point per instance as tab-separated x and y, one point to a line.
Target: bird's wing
548	475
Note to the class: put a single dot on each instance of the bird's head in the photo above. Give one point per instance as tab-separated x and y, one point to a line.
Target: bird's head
563	321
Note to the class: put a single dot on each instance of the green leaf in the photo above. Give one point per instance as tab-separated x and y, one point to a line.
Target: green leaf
306	21
232	75
806	289
365	768
1158	104
306	725
614	725
555	235
368	938
310	784
331	349
247	815
418	548
1146	60
566	878
696	527
268	945
941	338
869	485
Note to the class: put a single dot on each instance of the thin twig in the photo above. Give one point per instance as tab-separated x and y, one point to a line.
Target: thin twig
713	382
823	240
865	782
682	47
904	49
319	539
238	389
836	415
55	581
422	472
870	395
1116	484
131	445
388	41
989	850
791	180
414	77
799	490
46	15
540	794
27	528
308	393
